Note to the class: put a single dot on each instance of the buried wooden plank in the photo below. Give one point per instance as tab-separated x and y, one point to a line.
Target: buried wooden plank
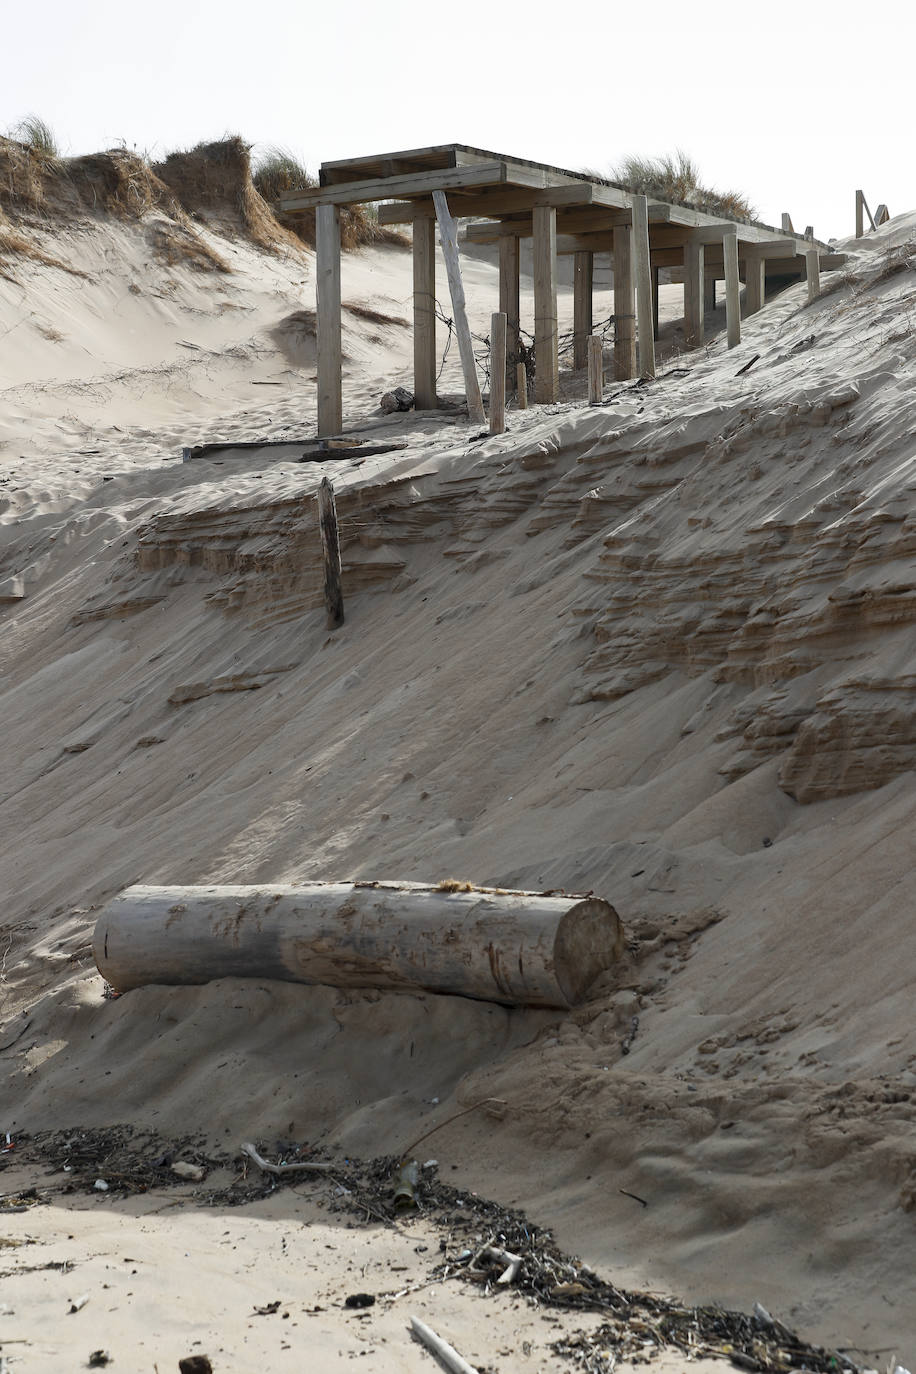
517	948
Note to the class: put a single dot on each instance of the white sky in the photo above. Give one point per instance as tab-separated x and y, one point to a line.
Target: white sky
794	104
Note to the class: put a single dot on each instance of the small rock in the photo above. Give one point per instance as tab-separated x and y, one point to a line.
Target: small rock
195	1364
399	399
100	1185
360	1300
98	1358
184	1169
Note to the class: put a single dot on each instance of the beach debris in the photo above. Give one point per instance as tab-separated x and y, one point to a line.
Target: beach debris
444	1353
100	1185
8	1144
398	399
193	1172
314	1165
77	1304
631	1036
408	1177
359	1300
268	1309
98	1359
195	1364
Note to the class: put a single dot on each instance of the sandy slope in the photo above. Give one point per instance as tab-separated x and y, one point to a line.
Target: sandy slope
663	650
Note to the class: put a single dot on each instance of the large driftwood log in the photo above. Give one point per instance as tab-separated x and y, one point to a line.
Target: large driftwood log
509	947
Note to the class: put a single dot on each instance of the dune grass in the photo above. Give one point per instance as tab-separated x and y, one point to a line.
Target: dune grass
675	177
37	135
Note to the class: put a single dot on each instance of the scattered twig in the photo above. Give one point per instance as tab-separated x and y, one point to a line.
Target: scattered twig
747	366
262	1163
634	1196
500	1101
440	1348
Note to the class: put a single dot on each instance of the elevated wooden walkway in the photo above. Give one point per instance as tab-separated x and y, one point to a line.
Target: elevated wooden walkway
563	212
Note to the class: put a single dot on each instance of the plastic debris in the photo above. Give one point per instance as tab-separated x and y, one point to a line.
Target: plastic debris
407	1180
100	1185
78	1304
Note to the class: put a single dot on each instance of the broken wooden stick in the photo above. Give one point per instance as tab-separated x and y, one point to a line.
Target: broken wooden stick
445	1353
330	545
313	1166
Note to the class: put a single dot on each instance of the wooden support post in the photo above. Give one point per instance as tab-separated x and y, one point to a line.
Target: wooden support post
595	369
645	335
709	291
508	299
656	281
694	255
584	271
330	547
546	356
813	271
521	386
860	214
787	223
624	305
448	237
732	288
755	279
330	356
424	313
498	373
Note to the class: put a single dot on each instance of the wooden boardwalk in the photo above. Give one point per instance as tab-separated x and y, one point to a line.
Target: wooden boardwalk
562	212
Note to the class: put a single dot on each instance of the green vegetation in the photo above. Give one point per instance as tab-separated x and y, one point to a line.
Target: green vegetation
676	178
277	172
37	135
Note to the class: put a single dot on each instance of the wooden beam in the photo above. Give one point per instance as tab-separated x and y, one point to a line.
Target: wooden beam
643	273
813	272
414	184
498	372
755	284
504	200
509	300
583	277
448	237
546	356
424	315
330	354
732	289
693	293
624	305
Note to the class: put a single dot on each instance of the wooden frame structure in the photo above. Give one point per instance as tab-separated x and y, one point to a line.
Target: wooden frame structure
561	212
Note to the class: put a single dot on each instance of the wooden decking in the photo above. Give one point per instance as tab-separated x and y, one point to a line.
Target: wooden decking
562	212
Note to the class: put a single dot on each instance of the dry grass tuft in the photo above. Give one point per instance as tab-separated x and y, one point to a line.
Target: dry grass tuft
901	258
365	312
177	243
453	885
15	245
279	172
39	136
675	178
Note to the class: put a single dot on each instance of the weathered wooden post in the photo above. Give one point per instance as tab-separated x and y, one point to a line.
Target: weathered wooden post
787	227
330	547
860	214
327	283
813	273
755	281
645	332
448	237
694	261
583	280
732	287
521	386
424	312
546	357
498	373
709	290
624	305
595	369
509	298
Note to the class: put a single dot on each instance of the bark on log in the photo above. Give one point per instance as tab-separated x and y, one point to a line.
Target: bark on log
517	948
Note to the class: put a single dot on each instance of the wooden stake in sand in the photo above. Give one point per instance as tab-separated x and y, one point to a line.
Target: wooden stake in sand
521	386
498	373
645	330
330	545
517	948
448	237
813	272
732	288
444	1353
694	255
595	369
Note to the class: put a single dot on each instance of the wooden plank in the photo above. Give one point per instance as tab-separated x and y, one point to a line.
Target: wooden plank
498	373
330	548
595	354
755	285
414	184
624	305
813	273
642	271
732	289
509	300
424	315
882	215
694	264
330	354
546	356
448	237
583	276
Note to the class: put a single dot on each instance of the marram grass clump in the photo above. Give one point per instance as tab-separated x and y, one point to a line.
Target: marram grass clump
676	178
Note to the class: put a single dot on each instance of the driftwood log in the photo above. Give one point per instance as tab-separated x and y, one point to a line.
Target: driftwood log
517	948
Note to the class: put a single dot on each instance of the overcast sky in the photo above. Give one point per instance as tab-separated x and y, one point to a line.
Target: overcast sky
794	104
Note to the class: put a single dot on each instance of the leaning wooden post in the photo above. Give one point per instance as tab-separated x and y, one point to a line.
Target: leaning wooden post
583	279
645	334
327	280
509	298
424	312
860	214
546	356
813	271
624	305
595	369
448	237
498	373
694	261
755	279
732	287
330	546
521	386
